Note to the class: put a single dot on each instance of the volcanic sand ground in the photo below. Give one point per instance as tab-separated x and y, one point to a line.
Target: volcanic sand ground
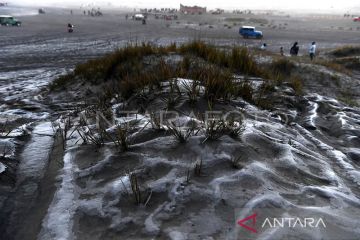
316	175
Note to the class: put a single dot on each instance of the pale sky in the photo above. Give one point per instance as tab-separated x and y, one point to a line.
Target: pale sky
332	5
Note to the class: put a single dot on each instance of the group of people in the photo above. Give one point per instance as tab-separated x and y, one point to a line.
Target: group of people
294	50
93	12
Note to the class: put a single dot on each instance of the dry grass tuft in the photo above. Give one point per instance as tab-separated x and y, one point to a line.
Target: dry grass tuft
346	51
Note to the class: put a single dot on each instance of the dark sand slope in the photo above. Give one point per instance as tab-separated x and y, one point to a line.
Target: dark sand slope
309	166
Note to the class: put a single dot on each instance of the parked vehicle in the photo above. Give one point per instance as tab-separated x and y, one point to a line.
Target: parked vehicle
138	17
250	32
7	20
356	19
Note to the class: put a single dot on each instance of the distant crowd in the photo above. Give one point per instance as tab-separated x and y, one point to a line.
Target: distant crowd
93	12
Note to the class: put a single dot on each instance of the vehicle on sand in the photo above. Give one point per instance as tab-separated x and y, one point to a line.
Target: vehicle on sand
250	32
7	20
139	17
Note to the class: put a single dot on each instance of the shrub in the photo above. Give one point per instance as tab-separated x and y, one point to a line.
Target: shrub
282	67
346	51
241	61
245	90
238	59
61	81
234	126
182	133
214	129
192	90
218	84
124	72
352	63
297	85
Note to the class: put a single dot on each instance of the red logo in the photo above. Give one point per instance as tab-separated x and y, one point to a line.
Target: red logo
253	218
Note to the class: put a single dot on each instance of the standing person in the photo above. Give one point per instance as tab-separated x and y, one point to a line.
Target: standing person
294	50
70	27
263	46
312	50
281	51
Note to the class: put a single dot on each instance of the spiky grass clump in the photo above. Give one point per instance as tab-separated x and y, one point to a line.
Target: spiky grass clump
238	59
262	100
4	129
215	128
234	126
241	61
134	183
349	63
218	84
245	90
192	90
182	133
104	68
282	67
62	81
122	136
297	84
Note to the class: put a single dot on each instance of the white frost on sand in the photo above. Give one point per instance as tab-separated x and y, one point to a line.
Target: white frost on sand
7	147
121	184
58	222
150	226
175	235
97	167
2	167
35	156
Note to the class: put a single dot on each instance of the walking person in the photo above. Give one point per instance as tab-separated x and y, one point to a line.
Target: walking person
312	50
294	50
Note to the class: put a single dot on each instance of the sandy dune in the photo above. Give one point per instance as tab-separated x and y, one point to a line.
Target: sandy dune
70	190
